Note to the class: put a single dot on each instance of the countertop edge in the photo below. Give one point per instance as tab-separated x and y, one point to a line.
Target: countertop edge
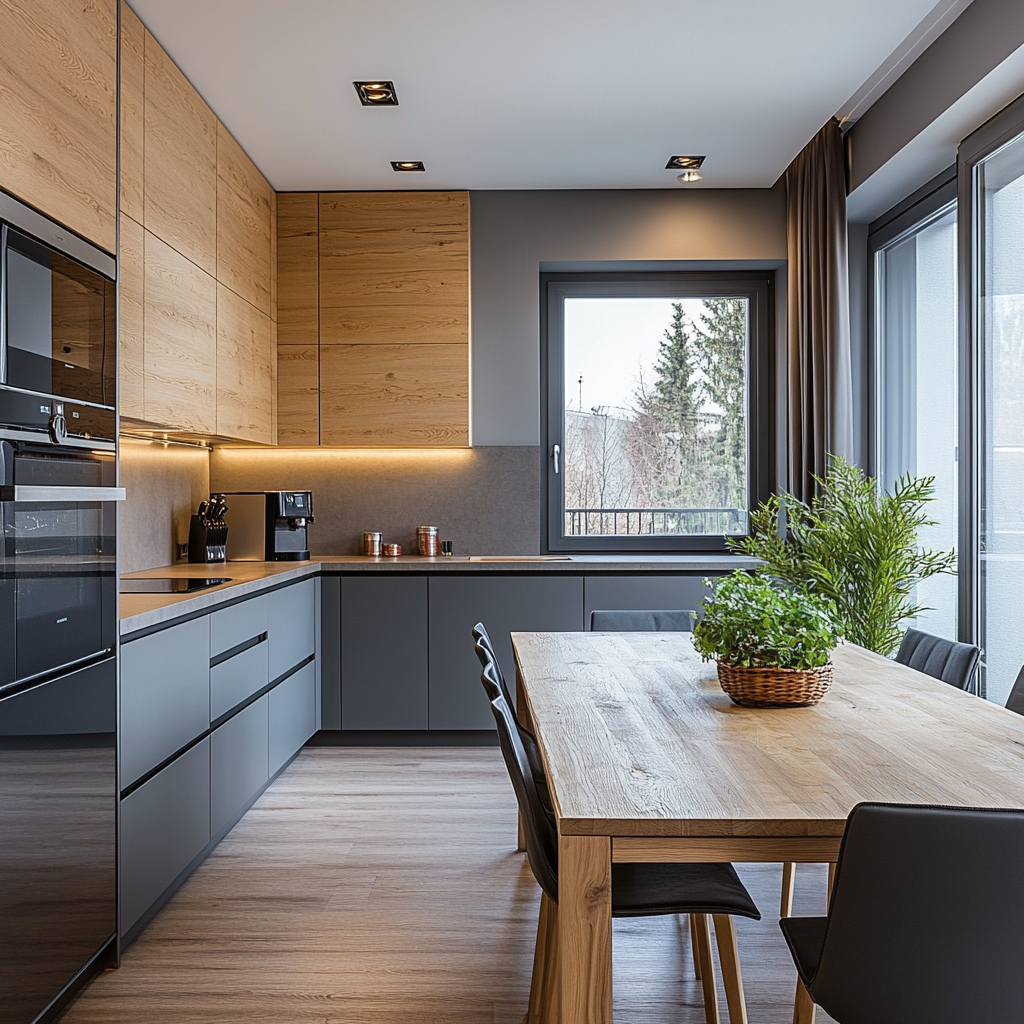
165	610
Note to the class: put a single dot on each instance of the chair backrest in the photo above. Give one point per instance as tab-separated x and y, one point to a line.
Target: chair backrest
927	918
1015	702
653	621
485	653
541	838
952	662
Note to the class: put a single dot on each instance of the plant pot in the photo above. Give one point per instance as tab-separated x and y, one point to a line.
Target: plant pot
774	687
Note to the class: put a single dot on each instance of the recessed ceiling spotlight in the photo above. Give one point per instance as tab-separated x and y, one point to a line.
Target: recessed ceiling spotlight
688	176
684	163
407	165
377	94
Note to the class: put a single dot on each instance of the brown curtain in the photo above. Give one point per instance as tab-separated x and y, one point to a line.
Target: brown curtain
820	397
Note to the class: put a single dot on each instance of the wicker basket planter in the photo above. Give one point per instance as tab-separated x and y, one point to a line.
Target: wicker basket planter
774	687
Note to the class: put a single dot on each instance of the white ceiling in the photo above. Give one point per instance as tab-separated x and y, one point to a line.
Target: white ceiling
529	93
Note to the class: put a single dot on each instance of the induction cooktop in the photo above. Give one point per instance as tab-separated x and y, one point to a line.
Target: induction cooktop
170	585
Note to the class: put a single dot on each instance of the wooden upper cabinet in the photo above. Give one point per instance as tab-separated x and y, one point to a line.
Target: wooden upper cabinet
131	368
180	315
58	111
180	178
133	113
394	268
245	370
244	204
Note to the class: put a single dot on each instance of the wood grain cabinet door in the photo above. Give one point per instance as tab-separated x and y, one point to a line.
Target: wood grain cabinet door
58	111
181	341
394	318
180	172
133	114
131	364
245	370
244	201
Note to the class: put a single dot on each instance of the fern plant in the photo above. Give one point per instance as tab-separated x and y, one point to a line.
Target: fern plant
855	545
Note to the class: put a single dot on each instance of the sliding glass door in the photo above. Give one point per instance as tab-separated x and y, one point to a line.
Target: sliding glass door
998	285
915	386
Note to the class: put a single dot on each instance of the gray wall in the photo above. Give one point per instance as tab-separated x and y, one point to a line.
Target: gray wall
163	484
485	500
513	233
978	41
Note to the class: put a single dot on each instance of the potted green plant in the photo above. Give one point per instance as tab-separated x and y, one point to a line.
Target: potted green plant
772	641
854	544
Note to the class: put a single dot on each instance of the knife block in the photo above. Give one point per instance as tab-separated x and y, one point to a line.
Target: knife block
206	543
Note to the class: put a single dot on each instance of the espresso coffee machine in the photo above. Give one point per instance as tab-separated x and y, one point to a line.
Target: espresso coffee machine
268	526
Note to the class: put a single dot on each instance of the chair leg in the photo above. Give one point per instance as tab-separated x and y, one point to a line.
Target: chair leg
543	984
803	1010
693	947
788	883
831	883
729	956
707	968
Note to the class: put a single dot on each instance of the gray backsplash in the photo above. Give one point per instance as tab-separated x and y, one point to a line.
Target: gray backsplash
485	500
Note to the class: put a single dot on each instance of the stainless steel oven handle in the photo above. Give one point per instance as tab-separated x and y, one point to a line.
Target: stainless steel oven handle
21	492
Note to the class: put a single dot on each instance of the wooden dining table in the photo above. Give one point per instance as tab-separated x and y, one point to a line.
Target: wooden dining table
649	761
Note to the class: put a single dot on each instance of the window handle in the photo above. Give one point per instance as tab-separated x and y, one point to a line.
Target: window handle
556	452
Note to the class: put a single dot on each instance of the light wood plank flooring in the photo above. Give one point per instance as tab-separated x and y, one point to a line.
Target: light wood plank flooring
381	886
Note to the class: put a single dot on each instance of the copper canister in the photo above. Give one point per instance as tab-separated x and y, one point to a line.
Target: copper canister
429	545
392	550
372	543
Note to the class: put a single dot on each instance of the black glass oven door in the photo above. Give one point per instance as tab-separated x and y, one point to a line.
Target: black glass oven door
59	330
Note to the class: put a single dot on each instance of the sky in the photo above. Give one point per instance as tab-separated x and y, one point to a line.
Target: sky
610	342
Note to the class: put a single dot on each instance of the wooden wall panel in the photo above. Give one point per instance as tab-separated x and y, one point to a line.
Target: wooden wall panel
131	350
180	162
383	395
244	200
133	113
180	340
58	111
394	268
245	370
297	272
298	394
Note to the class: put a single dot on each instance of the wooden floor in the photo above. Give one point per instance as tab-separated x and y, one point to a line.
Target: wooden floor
381	886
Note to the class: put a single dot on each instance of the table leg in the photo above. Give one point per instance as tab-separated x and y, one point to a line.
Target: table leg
831	882
803	1011
585	928
788	883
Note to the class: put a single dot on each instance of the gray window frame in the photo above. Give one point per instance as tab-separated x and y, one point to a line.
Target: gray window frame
756	285
1004	127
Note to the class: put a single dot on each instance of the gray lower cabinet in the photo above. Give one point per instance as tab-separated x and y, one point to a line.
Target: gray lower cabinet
232	681
384	652
164	825
641	593
165	695
292	715
292	626
238	623
504	604
239	764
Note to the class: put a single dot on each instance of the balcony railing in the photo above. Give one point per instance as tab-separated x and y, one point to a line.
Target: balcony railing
621	522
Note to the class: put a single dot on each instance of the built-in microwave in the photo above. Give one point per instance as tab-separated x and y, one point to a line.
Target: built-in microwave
58	330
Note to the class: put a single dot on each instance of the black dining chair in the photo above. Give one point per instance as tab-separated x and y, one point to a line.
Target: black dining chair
1015	702
671	620
926	922
948	660
638	890
495	685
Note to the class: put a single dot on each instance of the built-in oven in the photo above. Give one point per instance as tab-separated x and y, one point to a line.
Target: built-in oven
58	580
58	330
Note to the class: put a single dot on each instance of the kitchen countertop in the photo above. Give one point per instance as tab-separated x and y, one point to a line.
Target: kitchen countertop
144	611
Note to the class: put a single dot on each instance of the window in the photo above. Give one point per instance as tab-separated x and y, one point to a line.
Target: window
657	397
999	309
915	385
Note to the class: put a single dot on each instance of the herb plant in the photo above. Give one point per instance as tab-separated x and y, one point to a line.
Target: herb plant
855	545
755	622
